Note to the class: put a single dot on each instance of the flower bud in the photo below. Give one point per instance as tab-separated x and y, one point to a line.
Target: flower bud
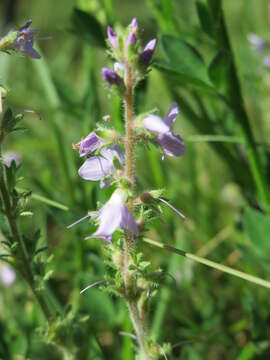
112	37
89	144
131	39
148	51
111	77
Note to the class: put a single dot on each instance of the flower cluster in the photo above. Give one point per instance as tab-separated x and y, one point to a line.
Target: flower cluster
126	47
105	160
21	40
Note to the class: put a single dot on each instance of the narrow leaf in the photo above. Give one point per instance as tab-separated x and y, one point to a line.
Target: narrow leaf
253	279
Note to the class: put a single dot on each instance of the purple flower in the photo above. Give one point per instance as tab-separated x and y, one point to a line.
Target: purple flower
131	39
97	168
7	275
9	157
89	144
112	36
257	43
266	61
172	145
25	41
114	215
111	77
147	53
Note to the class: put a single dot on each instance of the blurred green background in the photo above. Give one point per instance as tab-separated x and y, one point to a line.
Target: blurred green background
203	313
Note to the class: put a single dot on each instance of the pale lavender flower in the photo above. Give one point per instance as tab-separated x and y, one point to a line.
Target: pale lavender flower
172	145
7	275
11	156
266	61
89	144
97	168
148	51
112	36
111	77
114	215
257	43
131	39
25	40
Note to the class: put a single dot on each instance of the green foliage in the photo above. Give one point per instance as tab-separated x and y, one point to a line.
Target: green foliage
183	63
222	90
88	28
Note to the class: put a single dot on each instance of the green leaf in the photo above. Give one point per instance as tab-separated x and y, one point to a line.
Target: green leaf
183	63
226	269
215	8
219	70
257	227
87	27
248	352
205	18
45	200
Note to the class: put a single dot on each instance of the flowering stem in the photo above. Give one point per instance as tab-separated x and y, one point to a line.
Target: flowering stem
129	245
28	275
129	166
129	124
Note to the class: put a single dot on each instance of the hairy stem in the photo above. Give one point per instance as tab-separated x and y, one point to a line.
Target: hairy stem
129	166
11	218
139	327
129	243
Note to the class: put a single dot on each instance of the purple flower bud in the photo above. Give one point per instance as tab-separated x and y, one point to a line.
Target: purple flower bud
112	36
111	77
148	51
11	156
114	215
97	168
89	144
171	145
25	41
134	25
131	39
7	275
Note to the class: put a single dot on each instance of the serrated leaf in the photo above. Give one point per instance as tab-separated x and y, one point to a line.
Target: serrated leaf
88	28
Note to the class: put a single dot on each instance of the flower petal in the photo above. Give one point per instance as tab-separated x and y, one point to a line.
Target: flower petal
171	115
96	168
172	145
156	124
89	144
112	152
128	222
109	220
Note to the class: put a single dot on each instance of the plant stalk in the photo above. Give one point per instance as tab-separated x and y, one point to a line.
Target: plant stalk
28	275
129	243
